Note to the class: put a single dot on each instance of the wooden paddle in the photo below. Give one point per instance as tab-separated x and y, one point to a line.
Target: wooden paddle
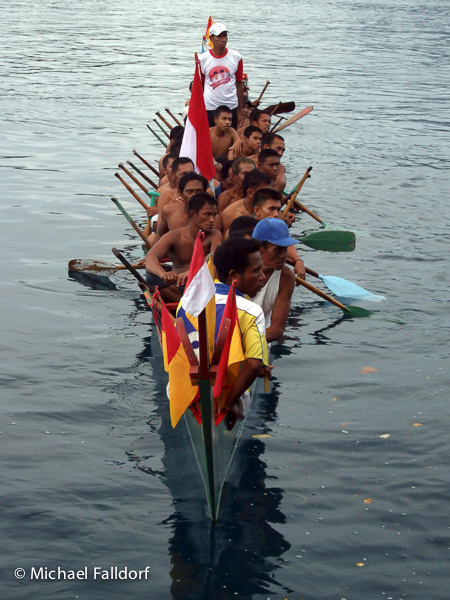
281	107
136	181
97	267
142	283
174	118
354	311
162	129
329	240
158	114
293	119
157	136
143	175
296	191
309	212
132	223
344	287
258	99
146	163
132	192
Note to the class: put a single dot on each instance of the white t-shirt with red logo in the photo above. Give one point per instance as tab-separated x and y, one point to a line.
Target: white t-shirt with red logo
219	75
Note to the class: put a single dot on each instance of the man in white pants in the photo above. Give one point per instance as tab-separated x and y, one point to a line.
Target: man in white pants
222	76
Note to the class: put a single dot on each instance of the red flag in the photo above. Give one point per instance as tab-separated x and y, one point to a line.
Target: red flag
232	354
196	139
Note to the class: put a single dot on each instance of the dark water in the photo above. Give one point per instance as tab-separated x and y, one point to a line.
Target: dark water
92	474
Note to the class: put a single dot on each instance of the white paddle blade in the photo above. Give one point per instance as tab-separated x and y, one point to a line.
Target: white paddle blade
347	289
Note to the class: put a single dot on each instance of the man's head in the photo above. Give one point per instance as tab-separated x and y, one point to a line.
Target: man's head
254	181
261	119
223	117
190	184
239	259
176	133
240	167
203	211
269	163
226	175
252	138
247	109
180	166
274	237
273	141
167	165
242	226
218	35
266	203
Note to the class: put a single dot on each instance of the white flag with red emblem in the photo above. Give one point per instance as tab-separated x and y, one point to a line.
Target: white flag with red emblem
196	139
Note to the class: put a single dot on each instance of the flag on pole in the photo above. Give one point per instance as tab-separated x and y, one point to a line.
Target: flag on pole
232	354
196	143
181	390
200	286
206	43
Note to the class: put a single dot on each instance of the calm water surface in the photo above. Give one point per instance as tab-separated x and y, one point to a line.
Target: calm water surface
348	496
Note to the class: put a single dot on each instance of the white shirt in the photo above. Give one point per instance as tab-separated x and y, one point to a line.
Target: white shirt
220	74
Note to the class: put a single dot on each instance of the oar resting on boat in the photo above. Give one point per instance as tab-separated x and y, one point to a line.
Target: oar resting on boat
354	311
345	288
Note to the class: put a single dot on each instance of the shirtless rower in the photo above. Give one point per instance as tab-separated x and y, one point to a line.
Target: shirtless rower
269	164
224	139
240	167
251	142
166	171
176	214
267	204
180	166
175	139
226	178
261	119
178	245
273	141
253	181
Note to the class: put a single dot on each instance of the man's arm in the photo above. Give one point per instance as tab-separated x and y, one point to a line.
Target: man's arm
216	240
299	265
240	96
156	254
282	305
163	227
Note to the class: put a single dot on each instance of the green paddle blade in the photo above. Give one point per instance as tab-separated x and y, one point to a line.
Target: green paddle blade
357	311
329	240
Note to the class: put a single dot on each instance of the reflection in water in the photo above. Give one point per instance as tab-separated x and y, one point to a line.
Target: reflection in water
233	556
93	282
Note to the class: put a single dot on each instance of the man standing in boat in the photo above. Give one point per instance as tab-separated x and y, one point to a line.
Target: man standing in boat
222	76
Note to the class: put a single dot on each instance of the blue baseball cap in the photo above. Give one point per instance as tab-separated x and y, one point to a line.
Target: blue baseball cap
275	231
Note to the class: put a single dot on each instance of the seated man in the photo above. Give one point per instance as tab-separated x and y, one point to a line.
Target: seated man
261	119
275	296
178	245
240	167
167	172
239	260
226	178
253	181
175	139
267	204
269	164
224	139
176	215
242	227
251	142
179	167
274	141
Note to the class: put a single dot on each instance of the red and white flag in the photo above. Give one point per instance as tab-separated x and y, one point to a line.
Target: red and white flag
200	287
196	139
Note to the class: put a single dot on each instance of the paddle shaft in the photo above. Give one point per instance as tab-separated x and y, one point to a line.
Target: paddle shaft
132	192
157	136
174	117
132	223
276	124
131	176
146	163
311	288
297	189
295	118
162	129
258	99
158	114
303	208
143	175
